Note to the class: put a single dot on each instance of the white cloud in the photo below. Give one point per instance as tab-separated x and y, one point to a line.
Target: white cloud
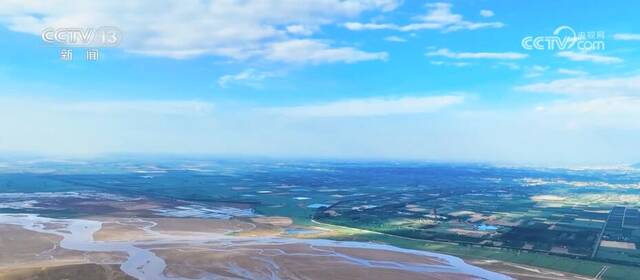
588	86
627	36
603	106
312	51
357	26
611	111
248	77
447	63
591	104
535	71
477	55
181	108
487	13
183	29
396	39
372	107
299	29
571	72
510	65
595	58
438	17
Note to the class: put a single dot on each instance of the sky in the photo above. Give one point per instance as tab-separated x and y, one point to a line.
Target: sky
346	79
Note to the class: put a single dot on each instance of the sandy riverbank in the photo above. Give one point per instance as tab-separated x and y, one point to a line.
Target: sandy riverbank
175	248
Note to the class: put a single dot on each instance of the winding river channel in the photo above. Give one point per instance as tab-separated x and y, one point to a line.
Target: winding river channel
142	263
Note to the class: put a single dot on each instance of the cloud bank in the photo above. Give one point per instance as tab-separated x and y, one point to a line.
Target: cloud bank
373	107
183	29
438	17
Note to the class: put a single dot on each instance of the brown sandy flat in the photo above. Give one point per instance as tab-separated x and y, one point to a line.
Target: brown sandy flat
67	272
118	232
261	261
24	252
260	230
293	248
170	225
276	221
524	272
120	229
384	255
24	248
310	268
20	245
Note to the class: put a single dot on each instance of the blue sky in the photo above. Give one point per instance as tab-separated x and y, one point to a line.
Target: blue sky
446	81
